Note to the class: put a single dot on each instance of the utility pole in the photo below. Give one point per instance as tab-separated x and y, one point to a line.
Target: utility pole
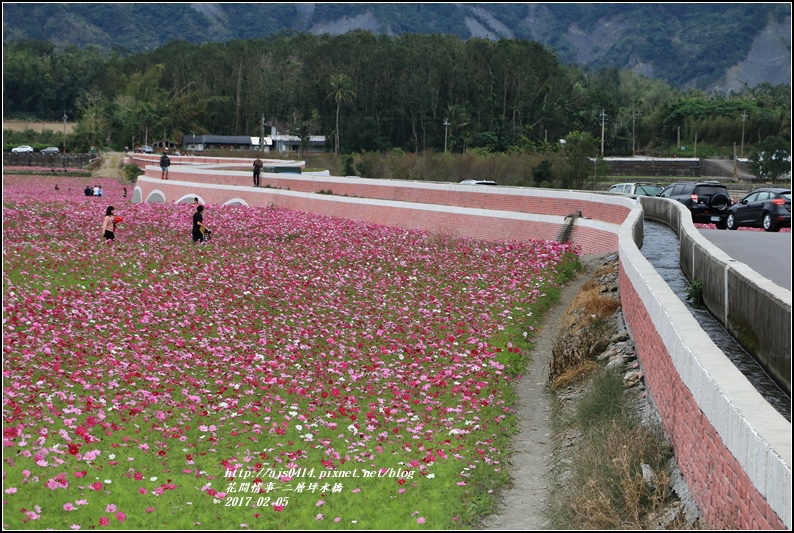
695	154
64	131
446	129
735	170
603	116
262	136
633	142
744	117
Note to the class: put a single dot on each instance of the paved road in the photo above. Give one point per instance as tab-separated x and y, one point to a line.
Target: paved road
769	254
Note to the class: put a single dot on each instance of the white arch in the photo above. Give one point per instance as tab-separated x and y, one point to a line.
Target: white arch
237	201
156	197
189	199
137	195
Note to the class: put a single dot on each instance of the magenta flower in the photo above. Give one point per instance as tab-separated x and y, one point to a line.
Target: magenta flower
103	521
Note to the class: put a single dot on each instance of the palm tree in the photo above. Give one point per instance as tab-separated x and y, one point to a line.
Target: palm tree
342	93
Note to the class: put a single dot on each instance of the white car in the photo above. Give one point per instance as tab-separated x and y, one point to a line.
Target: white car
477	182
638	189
24	149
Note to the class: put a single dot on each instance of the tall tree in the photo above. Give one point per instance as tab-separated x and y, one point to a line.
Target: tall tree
341	93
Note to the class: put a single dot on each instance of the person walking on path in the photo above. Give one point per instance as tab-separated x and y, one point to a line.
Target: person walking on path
165	162
257	169
198	225
109	225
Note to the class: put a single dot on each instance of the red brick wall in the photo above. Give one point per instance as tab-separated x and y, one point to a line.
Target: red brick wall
592	240
722	490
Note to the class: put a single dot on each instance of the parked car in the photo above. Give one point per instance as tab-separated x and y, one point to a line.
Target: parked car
51	150
639	189
767	208
146	150
708	201
24	149
478	182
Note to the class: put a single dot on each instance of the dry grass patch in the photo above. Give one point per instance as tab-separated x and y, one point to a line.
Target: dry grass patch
574	374
603	487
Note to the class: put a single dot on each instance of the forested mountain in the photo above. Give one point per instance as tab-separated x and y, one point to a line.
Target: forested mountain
705	46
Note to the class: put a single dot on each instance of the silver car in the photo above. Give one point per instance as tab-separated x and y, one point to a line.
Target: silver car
637	189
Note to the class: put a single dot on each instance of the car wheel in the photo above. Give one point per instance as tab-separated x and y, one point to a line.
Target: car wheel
722	225
731	222
769	223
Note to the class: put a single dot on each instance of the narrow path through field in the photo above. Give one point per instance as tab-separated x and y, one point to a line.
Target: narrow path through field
111	165
523	505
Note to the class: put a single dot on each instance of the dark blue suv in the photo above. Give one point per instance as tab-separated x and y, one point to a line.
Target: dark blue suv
708	201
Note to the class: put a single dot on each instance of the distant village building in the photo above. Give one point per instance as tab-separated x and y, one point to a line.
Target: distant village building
292	143
164	143
275	142
200	143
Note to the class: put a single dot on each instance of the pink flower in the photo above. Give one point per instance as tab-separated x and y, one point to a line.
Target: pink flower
121	517
150	509
103	521
10	490
96	486
69	507
420	520
142	490
320	516
75	526
111	508
320	503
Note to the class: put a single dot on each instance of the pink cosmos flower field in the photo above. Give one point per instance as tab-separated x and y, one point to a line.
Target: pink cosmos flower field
296	372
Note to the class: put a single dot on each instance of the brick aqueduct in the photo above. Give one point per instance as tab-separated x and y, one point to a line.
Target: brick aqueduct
733	448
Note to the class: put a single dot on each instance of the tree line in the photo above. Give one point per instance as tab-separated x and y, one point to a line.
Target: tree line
376	93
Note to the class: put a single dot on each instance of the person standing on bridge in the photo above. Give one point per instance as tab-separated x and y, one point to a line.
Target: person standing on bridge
165	162
257	169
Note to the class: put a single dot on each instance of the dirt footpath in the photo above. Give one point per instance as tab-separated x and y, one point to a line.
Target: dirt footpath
111	165
523	505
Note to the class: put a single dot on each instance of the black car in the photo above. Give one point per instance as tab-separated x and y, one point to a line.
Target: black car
708	201
766	208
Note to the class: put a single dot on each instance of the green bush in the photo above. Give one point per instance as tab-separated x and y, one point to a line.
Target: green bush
131	172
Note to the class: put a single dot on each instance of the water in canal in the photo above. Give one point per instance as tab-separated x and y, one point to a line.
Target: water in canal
660	248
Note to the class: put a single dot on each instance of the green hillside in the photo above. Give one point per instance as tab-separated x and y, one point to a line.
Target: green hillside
687	45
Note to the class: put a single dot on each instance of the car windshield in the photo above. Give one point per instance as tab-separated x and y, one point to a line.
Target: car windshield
648	190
